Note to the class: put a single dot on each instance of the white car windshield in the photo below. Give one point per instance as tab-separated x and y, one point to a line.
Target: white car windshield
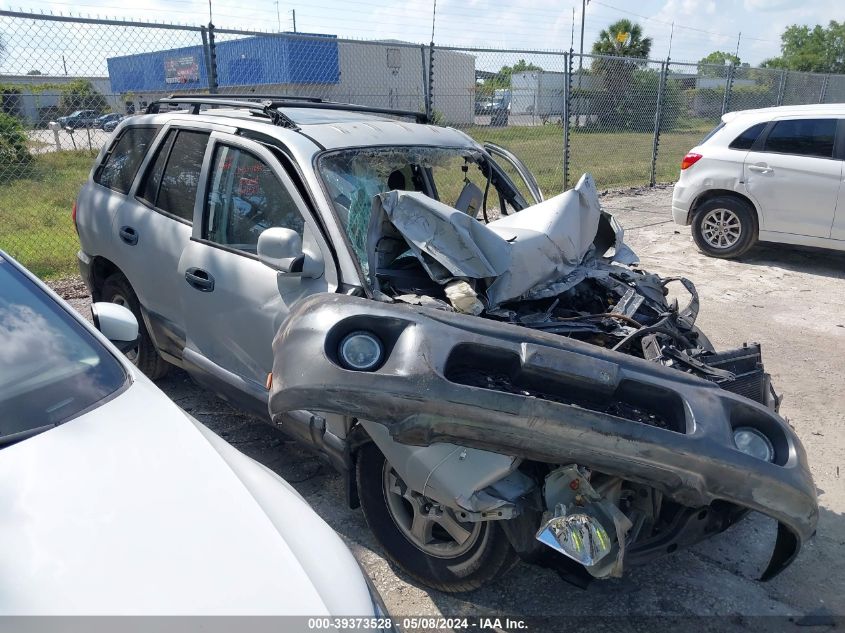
51	368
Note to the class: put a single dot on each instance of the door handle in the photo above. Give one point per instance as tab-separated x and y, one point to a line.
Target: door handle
128	235
763	169
199	279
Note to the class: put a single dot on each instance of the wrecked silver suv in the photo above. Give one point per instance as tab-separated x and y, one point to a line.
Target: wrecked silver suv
529	391
490	371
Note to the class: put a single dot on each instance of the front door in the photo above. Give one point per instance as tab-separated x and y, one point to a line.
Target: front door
794	177
233	304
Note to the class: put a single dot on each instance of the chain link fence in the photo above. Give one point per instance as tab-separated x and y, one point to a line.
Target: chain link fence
65	83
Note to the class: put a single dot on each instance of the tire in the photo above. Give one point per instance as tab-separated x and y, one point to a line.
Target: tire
724	227
116	289
483	557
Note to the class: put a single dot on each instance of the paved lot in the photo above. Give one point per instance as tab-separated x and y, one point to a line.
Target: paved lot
793	302
44	141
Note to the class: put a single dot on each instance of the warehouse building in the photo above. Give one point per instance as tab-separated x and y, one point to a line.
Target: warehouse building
385	74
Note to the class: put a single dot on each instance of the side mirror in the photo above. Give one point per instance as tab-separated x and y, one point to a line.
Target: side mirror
281	249
116	323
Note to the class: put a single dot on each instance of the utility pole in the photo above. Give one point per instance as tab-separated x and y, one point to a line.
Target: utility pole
278	16
64	64
293	13
671	35
584	4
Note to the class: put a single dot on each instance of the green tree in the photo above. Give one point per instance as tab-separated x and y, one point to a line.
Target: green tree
717	58
624	78
623	38
13	149
81	95
817	49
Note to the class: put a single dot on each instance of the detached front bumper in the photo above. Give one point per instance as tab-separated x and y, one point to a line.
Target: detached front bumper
545	398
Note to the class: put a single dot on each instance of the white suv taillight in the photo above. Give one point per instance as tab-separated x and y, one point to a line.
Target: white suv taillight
689	160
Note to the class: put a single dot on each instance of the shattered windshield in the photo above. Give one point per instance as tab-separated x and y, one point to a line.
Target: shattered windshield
353	177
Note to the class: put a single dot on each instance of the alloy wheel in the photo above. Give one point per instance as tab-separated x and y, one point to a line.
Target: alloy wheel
721	228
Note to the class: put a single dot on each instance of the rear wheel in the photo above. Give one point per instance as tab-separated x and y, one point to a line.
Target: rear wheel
145	356
724	227
425	539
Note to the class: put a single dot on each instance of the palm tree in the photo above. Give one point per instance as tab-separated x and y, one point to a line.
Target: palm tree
623	38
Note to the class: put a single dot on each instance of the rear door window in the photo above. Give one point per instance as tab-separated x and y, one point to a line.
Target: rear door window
747	138
121	162
802	137
173	178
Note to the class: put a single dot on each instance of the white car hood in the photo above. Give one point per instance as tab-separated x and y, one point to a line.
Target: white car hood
135	508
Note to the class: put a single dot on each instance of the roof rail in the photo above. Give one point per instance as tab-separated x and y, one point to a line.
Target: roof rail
270	105
243	95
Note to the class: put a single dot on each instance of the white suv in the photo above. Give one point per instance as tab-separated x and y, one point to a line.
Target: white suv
773	174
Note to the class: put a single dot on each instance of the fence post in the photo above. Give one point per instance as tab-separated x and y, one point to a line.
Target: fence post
430	102
824	88
212	61
426	102
729	81
567	95
781	87
658	120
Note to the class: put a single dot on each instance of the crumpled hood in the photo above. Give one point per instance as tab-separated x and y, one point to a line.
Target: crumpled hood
135	508
556	241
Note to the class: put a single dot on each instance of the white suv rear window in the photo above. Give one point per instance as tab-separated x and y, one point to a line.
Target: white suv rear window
124	157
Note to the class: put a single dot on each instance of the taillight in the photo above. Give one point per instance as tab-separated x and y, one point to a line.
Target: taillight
73	216
689	160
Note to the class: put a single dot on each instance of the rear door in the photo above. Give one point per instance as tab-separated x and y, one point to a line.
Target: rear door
793	176
153	227
232	303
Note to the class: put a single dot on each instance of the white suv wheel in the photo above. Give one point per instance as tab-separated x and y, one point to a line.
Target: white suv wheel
721	228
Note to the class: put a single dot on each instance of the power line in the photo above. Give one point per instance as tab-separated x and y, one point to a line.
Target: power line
680	26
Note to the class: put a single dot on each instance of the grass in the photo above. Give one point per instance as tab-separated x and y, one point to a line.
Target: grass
35	211
35	205
615	159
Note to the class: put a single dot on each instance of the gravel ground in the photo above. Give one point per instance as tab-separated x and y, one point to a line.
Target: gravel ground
792	300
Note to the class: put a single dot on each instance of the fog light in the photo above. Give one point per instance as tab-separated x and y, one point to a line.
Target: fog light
752	442
579	536
361	351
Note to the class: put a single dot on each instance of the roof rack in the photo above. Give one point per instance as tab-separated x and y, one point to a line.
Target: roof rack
269	106
245	95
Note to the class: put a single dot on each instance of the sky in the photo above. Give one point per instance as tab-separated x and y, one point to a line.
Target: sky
700	26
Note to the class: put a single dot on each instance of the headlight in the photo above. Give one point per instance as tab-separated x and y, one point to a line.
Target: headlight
579	536
752	442
361	351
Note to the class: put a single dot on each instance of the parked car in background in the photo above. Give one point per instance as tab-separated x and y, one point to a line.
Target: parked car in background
79	119
488	370
101	121
772	175
115	501
111	126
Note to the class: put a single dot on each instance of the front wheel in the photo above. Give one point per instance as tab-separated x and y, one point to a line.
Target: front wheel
425	539
724	227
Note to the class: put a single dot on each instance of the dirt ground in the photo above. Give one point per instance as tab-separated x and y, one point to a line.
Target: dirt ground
791	300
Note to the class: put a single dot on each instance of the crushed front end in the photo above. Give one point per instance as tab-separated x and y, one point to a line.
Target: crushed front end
610	430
